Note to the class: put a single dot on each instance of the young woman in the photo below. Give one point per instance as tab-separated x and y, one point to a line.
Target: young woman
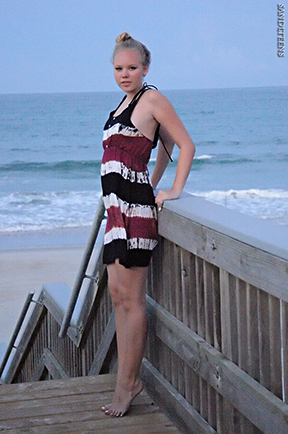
132	130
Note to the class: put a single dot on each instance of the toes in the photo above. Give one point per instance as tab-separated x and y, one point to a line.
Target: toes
110	411
105	408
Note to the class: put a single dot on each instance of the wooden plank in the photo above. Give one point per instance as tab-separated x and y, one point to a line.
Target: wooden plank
284	349
216	308
180	412
212	305
49	361
89	417
188	286
253	333
226	338
38	373
208	302
241	301
219	414
275	347
200	297
68	405
46	389
157	424
257	404
228	418
89	427
248	263
264	339
104	346
73	406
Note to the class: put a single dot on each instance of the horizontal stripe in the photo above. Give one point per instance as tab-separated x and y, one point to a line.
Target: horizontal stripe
114	233
132	243
113	166
135	227
130	210
128	258
141	243
126	191
123	130
138	227
138	149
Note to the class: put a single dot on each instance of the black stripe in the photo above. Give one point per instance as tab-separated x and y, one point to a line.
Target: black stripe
131	192
117	249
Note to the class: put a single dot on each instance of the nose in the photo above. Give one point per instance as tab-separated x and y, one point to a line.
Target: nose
125	72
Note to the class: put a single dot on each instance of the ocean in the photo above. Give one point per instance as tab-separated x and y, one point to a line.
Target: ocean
51	148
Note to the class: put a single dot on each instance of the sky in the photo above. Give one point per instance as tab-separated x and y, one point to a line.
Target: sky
66	45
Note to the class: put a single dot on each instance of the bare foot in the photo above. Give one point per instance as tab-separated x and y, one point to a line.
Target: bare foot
122	400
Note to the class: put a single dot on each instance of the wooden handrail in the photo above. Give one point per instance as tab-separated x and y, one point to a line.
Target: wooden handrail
27	303
99	216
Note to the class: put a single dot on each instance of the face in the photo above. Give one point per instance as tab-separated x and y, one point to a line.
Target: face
129	70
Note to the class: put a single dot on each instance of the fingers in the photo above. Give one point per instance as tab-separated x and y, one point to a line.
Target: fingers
159	202
160	198
159	207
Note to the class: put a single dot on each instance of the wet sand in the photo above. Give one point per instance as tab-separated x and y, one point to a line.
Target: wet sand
22	270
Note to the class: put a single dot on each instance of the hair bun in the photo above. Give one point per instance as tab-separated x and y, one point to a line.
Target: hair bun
123	37
125	42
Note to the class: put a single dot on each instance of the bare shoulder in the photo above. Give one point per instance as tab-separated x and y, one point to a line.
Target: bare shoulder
158	104
156	97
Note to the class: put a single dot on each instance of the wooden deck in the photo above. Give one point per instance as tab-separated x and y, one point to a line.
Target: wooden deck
217	352
73	406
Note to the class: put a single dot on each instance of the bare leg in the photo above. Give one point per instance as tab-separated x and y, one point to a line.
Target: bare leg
127	287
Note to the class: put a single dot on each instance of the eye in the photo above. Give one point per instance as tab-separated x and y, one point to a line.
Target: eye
133	68
118	68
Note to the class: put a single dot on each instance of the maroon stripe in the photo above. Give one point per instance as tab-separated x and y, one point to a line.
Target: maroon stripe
115	218
140	147
139	227
129	160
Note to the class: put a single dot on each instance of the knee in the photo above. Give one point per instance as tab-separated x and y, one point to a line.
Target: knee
125	299
115	295
120	297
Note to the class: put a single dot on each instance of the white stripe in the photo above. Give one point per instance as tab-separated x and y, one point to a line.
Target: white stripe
114	166
141	243
132	243
115	233
130	210
119	128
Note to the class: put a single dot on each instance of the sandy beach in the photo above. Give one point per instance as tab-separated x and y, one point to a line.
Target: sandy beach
22	270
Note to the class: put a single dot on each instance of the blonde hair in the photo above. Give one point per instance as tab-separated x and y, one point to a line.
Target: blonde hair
125	42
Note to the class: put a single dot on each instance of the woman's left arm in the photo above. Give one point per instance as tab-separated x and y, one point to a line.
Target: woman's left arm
165	114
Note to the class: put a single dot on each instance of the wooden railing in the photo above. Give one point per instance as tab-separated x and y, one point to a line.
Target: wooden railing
217	352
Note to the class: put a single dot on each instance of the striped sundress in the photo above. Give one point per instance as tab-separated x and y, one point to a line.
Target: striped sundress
131	229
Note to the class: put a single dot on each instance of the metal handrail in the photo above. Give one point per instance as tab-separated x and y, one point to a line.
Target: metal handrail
83	267
24	311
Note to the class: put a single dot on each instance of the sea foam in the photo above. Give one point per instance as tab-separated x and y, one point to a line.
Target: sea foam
264	204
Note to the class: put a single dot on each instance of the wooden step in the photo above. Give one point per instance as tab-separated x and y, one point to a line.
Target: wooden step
74	406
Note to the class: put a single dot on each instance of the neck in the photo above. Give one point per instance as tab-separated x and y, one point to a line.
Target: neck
131	95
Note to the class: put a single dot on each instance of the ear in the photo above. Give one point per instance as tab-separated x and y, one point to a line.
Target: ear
145	70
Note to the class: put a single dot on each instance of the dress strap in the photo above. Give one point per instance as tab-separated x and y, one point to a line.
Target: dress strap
141	91
156	135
